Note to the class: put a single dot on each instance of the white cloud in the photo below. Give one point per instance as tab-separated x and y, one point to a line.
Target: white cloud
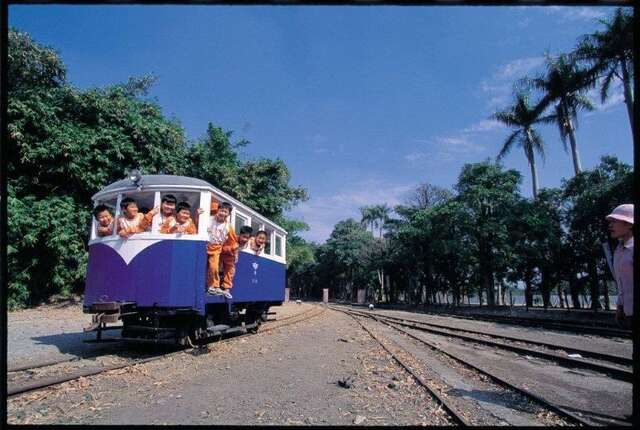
573	13
615	98
443	149
483	125
498	89
517	68
319	144
524	23
322	213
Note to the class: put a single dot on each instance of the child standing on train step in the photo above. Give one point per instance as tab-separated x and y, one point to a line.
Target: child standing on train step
221	233
231	253
105	220
181	223
131	221
257	243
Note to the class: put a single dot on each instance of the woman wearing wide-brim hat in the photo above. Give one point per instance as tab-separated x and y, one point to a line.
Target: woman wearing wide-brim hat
621	228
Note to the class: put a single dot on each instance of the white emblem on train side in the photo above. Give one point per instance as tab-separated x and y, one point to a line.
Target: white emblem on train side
255	266
128	249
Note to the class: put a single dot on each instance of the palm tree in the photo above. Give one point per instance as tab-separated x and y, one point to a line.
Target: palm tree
377	216
522	117
564	84
610	55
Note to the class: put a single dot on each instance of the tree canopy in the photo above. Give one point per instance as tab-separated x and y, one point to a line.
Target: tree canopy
66	143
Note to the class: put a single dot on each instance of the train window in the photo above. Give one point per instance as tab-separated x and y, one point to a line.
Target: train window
241	220
256	225
193	199
268	247
278	245
144	200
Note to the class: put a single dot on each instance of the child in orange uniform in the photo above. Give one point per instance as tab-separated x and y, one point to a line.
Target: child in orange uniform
231	253
182	223
105	220
132	221
222	238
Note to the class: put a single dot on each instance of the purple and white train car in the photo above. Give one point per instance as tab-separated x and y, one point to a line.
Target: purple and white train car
154	283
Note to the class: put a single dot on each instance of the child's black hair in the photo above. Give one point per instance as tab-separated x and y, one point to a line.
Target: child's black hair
227	206
263	232
183	205
246	229
100	208
169	198
126	202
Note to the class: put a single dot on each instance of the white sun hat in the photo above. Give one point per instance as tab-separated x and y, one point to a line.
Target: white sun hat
622	213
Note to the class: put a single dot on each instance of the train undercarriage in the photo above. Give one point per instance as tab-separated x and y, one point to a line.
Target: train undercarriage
179	326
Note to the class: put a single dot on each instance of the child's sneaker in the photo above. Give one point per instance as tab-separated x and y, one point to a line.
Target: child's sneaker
227	294
214	291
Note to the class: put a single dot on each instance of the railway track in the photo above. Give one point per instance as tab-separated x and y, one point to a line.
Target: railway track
622	371
569	326
22	387
562	411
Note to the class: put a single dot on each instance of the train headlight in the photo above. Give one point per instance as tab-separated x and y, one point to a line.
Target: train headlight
135	176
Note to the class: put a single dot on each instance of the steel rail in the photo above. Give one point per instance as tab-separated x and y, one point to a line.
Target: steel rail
459	419
614	372
556	325
593	354
571	325
555	408
47	382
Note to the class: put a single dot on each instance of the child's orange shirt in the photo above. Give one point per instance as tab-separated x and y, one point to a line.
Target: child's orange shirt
230	245
135	225
171	226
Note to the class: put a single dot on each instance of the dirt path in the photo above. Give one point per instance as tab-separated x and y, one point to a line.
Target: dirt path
288	376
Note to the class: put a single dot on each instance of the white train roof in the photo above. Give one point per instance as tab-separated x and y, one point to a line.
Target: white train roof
173	182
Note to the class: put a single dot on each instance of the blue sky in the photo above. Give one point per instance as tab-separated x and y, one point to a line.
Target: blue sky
362	103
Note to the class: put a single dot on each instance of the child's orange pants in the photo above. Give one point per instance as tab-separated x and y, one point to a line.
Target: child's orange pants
229	268
213	264
215	256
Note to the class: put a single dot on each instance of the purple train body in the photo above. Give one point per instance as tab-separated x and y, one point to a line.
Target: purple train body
154	284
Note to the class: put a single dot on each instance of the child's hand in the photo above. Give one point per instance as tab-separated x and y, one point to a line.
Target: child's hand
200	211
181	229
155	210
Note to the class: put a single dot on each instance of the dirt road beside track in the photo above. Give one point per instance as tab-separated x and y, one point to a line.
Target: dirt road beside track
290	375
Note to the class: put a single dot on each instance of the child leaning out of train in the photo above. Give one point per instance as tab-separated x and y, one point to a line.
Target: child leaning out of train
131	221
257	243
181	223
222	238
105	220
230	255
244	237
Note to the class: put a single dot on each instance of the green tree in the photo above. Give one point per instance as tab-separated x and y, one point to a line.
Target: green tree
589	197
341	258
65	144
563	86
609	54
522	117
489	195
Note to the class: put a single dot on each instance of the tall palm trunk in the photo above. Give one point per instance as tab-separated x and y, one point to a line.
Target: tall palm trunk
577	167
628	95
532	164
